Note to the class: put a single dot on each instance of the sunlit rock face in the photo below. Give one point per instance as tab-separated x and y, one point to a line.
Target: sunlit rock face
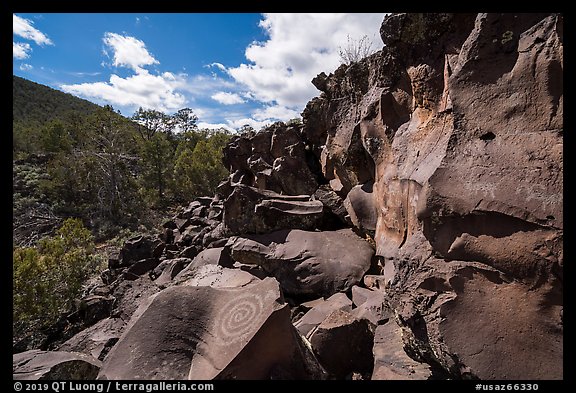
456	128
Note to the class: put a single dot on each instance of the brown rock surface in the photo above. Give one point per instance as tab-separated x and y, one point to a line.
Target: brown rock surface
390	359
343	344
458	123
54	365
206	333
249	210
272	159
97	340
314	317
444	152
307	263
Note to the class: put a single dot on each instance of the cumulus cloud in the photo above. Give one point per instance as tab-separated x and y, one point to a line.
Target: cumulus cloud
128	51
220	66
23	27
256	124
204	85
227	98
25	67
214	126
21	50
143	89
299	47
275	112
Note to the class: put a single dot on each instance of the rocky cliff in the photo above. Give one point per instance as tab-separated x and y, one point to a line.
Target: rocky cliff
411	228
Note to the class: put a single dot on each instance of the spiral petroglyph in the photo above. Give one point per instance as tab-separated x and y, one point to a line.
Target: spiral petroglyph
240	316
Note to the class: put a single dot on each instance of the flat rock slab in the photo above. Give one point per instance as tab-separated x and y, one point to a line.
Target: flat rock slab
191	332
215	276
391	361
251	210
97	339
343	344
307	263
319	312
54	365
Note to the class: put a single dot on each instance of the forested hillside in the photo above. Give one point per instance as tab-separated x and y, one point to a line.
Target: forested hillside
33	102
80	167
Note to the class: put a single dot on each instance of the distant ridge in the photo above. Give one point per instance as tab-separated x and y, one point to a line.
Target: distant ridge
36	103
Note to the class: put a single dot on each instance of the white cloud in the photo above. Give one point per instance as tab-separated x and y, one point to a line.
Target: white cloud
275	112
83	74
25	67
142	89
220	66
227	98
128	51
23	28
21	50
214	126
257	125
299	47
204	85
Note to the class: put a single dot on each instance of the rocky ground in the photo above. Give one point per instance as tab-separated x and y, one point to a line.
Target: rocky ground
411	228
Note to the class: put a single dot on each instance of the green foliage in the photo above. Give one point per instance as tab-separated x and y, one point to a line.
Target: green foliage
184	121
47	278
151	121
36	103
198	171
95	164
98	179
157	158
55	138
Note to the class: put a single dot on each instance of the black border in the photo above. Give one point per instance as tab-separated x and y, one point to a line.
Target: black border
170	6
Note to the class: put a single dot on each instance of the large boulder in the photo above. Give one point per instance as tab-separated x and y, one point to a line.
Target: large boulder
136	249
214	276
273	159
250	210
391	362
168	269
307	263
361	207
443	300
343	345
458	125
97	340
190	332
54	365
317	314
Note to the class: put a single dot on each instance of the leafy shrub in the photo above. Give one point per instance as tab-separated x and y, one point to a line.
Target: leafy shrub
47	278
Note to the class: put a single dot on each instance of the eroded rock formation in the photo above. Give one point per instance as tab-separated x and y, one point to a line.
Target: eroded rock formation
410	228
456	128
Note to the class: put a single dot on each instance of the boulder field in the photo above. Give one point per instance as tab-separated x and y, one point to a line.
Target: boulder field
410	228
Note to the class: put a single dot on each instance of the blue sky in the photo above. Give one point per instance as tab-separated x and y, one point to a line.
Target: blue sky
231	69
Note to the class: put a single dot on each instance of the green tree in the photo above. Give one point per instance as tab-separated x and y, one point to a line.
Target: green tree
184	120
114	154
151	121
157	157
47	278
98	179
55	138
198	171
